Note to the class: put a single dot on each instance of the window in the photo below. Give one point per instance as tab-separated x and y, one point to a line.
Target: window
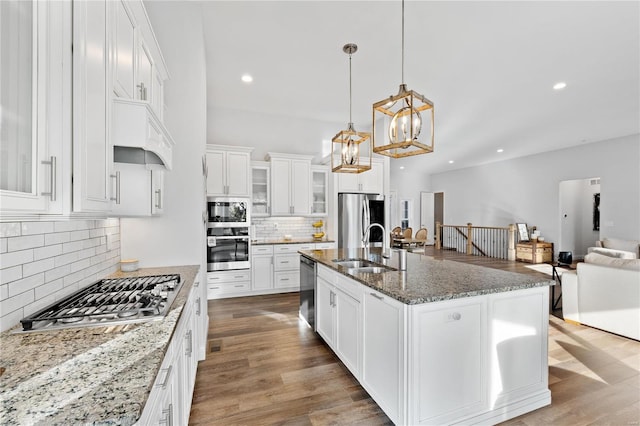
405	213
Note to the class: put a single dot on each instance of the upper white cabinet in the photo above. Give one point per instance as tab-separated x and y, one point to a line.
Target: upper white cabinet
92	149
139	191
369	182
290	184
35	120
139	71
319	190
229	171
260	189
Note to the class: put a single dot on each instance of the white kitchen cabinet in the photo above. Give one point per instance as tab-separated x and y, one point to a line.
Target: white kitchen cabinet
144	65
325	246
261	267
369	182
228	283
286	266
449	356
319	190
260	189
383	364
324	310
290	184
124	50
38	98
229	171
140	191
201	318
92	149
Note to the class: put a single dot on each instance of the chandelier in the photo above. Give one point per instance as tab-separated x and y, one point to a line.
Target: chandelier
405	114
348	142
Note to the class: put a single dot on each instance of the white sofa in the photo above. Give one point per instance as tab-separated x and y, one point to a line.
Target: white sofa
604	292
615	247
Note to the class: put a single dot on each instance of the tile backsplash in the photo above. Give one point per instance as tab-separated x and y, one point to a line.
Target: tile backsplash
277	227
41	262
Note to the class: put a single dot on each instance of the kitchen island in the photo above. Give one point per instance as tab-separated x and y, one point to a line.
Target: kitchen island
95	375
441	343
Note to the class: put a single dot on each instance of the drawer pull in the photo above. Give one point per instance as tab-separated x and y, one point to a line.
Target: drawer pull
166	377
239	285
376	296
284	261
284	279
238	276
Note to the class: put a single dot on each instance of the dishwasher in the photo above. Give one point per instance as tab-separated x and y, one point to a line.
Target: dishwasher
308	291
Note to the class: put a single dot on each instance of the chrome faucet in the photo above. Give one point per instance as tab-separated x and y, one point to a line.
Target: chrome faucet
386	253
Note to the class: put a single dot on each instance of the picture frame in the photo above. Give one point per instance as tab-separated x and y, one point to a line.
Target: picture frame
523	232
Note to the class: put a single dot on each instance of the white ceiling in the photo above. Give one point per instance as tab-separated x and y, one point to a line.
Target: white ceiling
489	68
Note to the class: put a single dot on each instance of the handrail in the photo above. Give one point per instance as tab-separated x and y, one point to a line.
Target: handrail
489	241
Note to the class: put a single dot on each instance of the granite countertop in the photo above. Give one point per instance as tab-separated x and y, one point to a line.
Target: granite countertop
263	242
91	375
427	279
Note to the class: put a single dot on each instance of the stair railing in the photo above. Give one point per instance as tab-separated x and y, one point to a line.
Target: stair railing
490	241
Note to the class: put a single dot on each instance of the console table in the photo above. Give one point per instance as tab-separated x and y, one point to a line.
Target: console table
534	252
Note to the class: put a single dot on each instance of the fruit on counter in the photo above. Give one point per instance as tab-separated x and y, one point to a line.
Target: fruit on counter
317	224
318	235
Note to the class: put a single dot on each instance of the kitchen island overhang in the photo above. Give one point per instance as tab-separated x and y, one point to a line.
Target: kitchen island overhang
441	343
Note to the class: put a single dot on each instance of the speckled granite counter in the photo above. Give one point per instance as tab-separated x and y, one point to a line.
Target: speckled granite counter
92	375
263	242
427	279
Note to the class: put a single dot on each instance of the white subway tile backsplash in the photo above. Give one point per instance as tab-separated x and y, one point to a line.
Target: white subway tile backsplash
45	261
31	228
47	251
23	243
29	269
57	238
25	284
10	229
55	273
10	259
10	274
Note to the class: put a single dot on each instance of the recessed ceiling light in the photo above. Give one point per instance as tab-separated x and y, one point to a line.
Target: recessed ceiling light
560	85
500	150
450	161
247	78
401	167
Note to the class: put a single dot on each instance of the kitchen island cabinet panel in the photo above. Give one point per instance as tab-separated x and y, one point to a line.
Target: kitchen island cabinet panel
383	353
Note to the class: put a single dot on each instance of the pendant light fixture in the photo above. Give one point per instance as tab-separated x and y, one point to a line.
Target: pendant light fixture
405	114
348	143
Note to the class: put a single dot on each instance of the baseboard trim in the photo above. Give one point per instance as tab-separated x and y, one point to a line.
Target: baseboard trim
572	322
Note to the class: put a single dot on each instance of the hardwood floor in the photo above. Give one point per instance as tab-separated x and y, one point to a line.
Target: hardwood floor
264	367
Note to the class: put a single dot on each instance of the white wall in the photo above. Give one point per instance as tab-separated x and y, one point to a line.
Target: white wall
271	133
527	189
177	237
409	182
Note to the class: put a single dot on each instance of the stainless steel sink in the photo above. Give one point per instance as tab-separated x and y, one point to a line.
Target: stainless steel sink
354	263
369	270
362	266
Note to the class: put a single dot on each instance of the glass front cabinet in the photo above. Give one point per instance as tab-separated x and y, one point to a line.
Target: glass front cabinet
319	184
260	197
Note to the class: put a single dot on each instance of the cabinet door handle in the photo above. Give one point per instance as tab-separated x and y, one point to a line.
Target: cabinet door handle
143	91
166	377
198	306
189	350
168	416
117	197
158	199
376	296
52	180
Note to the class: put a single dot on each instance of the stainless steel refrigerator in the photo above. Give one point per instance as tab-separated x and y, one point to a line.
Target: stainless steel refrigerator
355	213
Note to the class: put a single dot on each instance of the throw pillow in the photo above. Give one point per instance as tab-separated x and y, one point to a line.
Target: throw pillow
618	244
620	254
600	259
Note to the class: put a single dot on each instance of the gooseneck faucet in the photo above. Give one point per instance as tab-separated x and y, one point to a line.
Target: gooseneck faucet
386	253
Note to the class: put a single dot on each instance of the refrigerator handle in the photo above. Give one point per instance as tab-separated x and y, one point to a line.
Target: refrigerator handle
367	216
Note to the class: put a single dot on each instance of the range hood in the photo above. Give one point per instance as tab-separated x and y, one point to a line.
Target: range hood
138	136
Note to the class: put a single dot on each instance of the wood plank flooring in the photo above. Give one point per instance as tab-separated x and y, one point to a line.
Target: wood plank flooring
264	367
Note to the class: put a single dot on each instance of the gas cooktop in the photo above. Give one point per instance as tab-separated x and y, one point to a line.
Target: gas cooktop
109	302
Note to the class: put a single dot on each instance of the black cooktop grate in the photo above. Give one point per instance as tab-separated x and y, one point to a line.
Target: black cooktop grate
110	300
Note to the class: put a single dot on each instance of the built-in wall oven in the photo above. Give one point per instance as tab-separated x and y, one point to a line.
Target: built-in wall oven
228	234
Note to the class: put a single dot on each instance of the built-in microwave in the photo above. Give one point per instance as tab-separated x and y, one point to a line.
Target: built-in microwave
226	212
227	248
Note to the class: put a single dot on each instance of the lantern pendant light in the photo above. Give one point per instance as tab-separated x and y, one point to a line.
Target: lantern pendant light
348	143
405	112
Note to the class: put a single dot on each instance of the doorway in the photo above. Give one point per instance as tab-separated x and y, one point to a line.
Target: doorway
431	211
579	215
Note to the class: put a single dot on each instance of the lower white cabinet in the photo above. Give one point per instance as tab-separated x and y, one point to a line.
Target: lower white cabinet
383	352
169	401
261	267
338	317
228	283
286	265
